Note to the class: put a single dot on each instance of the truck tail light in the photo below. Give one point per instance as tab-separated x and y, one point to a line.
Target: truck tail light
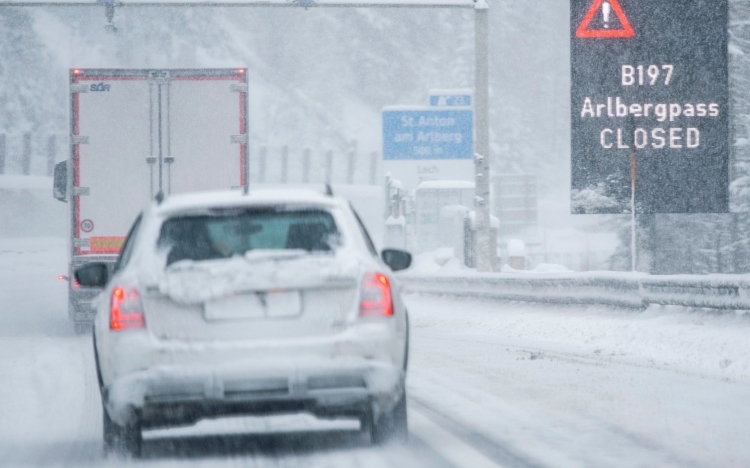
376	298
126	309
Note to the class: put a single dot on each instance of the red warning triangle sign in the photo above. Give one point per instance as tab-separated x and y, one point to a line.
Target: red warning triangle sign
584	31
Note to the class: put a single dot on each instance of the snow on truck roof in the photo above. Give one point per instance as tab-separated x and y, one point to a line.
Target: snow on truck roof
236	198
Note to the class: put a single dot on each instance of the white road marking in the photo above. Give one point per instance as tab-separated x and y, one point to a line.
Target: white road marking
450	447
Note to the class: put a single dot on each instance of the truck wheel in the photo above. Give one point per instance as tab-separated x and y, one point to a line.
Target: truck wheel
121	440
391	426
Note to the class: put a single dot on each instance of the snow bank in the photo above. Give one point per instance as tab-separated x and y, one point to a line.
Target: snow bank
391	221
587	386
27	208
438	260
701	341
516	248
550	268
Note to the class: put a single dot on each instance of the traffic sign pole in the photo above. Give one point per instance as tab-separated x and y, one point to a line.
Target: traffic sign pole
485	243
633	246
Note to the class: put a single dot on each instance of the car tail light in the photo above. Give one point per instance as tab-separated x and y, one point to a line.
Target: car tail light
376	298
126	309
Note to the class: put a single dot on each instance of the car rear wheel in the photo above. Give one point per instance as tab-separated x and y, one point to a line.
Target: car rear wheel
118	439
392	426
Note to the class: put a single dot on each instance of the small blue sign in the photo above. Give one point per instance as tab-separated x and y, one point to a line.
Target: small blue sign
450	100
418	134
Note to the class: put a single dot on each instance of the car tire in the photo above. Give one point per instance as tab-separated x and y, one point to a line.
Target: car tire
125	440
392	426
81	328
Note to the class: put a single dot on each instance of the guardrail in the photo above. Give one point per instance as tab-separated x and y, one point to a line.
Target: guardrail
629	290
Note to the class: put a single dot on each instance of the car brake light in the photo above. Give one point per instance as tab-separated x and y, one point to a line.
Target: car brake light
376	299
126	309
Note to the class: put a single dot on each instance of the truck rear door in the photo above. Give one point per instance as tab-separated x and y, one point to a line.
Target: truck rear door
112	136
206	130
138	132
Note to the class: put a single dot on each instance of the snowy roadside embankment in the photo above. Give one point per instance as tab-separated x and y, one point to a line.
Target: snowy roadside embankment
28	209
702	341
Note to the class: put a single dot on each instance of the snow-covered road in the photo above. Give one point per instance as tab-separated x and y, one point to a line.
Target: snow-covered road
490	384
585	386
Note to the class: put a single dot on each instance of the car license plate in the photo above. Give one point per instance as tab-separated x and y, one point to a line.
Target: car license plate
283	303
242	306
273	304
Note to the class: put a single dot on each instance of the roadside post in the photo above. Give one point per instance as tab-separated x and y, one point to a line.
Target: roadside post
486	243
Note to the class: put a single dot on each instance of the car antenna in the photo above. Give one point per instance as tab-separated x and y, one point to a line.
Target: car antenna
159	197
329	190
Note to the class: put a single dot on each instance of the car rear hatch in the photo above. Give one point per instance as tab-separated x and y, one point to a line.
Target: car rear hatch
255	275
263	302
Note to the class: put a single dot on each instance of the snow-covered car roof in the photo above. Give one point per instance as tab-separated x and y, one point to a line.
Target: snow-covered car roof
236	198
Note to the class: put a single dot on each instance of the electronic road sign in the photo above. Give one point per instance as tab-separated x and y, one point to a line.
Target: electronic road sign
649	78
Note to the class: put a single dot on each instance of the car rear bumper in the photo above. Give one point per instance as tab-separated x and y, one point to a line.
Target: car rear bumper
173	395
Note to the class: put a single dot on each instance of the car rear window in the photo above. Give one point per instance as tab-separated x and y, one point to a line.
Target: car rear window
225	233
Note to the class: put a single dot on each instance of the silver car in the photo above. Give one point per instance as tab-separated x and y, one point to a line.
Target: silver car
266	303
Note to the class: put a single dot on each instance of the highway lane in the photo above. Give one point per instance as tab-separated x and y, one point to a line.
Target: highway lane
51	415
490	384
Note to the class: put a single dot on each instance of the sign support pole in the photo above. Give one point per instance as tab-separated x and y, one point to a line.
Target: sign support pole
633	248
485	250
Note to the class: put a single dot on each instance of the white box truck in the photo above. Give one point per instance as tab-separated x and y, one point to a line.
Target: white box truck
136	134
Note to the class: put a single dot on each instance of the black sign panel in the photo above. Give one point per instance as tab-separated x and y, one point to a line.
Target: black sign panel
649	78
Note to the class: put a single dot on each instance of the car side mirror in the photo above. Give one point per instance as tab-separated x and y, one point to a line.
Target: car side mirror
93	275
396	259
60	183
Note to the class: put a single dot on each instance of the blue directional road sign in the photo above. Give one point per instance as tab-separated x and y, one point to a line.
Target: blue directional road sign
428	133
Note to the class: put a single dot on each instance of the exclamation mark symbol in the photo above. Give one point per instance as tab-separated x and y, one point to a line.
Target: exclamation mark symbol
606	9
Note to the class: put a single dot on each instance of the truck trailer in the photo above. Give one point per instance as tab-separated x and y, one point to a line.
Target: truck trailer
137	135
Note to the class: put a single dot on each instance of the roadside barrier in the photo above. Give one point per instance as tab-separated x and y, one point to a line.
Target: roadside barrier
628	290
